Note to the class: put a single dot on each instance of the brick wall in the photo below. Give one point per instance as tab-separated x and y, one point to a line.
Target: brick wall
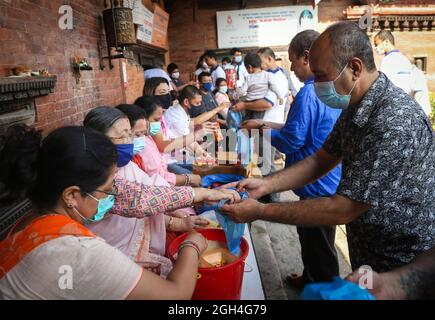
29	34
187	40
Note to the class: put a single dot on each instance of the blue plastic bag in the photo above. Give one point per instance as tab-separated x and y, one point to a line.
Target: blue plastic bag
233	231
224	178
338	289
234	120
208	181
244	142
245	147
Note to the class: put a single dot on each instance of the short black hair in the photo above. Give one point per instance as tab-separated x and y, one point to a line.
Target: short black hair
171	67
189	92
210	54
219	81
267	52
102	118
348	40
385	35
133	112
148	105
202	75
253	60
303	41
226	59
235	50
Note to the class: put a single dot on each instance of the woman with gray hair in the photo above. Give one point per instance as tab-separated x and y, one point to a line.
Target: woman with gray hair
143	238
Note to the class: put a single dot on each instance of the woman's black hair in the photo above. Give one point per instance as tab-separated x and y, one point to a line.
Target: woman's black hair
218	83
148	105
69	156
103	118
200	61
227	60
133	112
151	85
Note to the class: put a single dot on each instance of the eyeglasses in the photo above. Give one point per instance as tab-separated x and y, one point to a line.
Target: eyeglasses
124	140
114	192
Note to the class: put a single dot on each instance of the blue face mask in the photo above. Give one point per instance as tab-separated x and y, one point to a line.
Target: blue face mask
238	59
139	144
125	154
207	86
326	92
104	206
155	128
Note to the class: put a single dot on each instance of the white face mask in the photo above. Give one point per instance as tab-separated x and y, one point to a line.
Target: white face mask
175	75
223	89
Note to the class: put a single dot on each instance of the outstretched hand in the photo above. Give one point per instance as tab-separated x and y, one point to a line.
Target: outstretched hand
246	211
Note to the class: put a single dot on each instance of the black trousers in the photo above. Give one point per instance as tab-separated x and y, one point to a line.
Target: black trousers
318	253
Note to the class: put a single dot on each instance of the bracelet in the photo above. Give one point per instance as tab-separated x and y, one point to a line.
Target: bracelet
192	243
187	181
186	245
171	219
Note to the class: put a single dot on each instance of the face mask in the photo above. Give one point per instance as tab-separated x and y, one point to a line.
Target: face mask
223	89
238	59
195	111
328	95
139	144
155	128
125	154
207	86
104	206
205	66
165	101
175	75
379	50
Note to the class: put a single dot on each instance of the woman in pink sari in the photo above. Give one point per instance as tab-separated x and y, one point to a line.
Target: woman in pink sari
152	161
143	240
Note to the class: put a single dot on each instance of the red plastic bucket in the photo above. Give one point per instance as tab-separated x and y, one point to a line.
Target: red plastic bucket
222	283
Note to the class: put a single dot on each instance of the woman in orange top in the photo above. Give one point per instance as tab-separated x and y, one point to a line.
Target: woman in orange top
50	254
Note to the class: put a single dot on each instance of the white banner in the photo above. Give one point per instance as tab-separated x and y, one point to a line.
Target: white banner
145	31
263	27
143	18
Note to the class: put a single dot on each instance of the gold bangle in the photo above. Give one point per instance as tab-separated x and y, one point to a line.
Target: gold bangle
169	223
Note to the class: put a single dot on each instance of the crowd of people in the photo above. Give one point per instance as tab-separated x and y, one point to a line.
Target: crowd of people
110	195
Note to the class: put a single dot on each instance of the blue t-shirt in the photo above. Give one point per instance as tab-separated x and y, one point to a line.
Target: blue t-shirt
308	124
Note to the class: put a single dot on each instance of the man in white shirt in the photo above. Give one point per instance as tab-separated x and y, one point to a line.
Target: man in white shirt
274	111
215	68
394	64
180	125
268	63
239	66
